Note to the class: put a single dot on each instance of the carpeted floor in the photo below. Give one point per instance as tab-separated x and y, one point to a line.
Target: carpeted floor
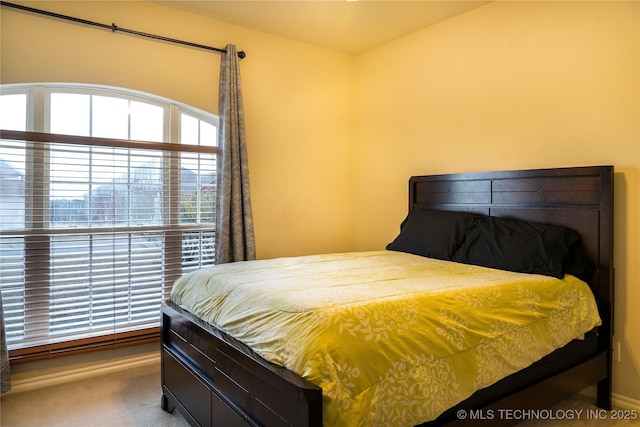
122	399
131	398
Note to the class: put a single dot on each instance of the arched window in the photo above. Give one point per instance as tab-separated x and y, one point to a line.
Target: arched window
106	196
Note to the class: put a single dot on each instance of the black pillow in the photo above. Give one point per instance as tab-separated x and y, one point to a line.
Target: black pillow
518	246
432	233
578	264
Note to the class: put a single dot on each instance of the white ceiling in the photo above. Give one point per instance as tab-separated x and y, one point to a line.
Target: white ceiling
346	26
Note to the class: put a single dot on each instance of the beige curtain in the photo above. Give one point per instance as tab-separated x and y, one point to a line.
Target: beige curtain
234	221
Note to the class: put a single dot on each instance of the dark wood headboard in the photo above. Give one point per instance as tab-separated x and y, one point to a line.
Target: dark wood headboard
579	198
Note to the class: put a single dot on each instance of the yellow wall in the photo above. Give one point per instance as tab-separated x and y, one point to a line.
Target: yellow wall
333	139
509	85
298	102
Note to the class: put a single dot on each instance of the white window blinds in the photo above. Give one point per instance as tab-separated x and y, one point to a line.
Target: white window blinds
93	233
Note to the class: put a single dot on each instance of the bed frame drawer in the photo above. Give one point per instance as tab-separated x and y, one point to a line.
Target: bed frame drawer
195	396
199	401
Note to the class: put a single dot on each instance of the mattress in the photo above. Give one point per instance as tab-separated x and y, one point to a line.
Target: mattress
393	339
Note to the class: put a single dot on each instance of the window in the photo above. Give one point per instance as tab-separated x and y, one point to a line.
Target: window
95	225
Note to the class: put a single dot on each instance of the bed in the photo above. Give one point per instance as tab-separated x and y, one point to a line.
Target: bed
215	379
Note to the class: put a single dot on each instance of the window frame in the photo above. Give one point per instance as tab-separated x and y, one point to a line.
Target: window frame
38	109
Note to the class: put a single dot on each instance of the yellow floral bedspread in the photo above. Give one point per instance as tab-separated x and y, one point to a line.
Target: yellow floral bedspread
393	339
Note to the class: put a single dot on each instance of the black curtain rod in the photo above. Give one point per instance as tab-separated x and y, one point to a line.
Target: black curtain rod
114	28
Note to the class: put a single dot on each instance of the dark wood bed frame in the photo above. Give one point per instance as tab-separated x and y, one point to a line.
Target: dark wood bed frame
214	380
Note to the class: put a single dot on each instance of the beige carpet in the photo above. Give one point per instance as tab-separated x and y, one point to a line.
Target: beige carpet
125	398
132	398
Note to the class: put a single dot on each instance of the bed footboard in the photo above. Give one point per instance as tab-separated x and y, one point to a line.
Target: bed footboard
213	379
